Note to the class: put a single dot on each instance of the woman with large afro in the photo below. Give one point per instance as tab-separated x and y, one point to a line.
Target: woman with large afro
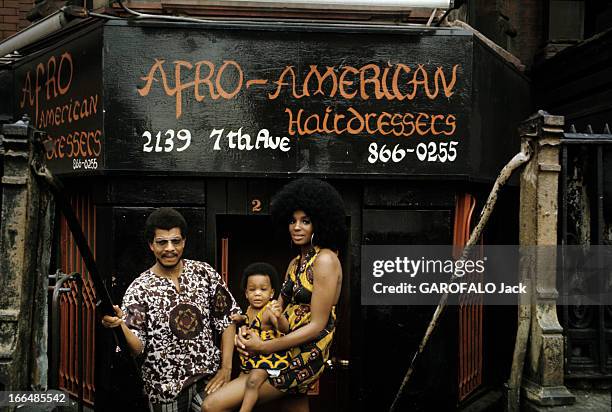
313	213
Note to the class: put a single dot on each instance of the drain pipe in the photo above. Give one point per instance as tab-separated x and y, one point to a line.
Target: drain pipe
41	29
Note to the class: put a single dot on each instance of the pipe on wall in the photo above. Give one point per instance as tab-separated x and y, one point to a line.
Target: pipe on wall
336	4
33	33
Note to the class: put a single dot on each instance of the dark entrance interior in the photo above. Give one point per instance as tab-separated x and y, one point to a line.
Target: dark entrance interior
250	239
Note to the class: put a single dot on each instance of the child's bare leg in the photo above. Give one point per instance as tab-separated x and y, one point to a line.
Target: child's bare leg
254	381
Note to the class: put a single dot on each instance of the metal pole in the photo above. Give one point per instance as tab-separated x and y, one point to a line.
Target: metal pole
55	328
79	281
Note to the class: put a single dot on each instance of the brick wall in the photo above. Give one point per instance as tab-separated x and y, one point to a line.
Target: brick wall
13	16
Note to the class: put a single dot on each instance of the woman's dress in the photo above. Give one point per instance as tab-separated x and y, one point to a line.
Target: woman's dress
307	361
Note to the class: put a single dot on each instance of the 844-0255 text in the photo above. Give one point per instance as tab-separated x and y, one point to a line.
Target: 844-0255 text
425	152
87	164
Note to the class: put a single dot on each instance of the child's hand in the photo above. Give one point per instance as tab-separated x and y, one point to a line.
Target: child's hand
238	319
275	308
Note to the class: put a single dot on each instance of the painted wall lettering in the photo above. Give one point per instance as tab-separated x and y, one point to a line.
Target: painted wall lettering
236	139
327	101
55	78
392	82
255	205
61	92
78	144
441	152
165	143
397	81
206	80
353	122
67	113
355	86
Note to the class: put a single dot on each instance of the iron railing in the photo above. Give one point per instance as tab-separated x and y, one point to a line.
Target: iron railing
586	199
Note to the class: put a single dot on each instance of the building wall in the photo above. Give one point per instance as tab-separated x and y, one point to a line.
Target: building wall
13	16
516	26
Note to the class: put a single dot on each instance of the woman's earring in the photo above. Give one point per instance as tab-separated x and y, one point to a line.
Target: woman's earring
311	240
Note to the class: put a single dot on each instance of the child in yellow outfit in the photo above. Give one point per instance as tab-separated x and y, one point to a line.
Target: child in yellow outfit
265	316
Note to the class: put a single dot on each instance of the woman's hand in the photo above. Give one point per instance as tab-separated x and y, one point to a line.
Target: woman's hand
248	342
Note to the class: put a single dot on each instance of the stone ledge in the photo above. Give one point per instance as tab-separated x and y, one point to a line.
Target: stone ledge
592	400
547	395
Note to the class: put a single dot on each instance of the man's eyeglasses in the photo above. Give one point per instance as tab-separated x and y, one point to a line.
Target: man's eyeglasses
163	242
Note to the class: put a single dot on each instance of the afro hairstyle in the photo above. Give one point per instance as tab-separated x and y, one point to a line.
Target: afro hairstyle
164	218
321	203
261	268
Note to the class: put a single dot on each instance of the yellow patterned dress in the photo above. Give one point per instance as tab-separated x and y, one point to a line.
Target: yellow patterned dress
274	362
307	361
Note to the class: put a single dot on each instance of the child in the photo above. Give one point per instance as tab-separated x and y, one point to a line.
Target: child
265	316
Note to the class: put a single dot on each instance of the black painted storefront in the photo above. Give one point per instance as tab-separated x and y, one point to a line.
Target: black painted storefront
136	112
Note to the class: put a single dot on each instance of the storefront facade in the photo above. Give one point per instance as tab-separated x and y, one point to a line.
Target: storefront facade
213	118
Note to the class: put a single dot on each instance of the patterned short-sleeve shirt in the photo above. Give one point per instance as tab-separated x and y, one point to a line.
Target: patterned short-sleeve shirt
176	328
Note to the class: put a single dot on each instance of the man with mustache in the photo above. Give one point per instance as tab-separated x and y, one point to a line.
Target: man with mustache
168	315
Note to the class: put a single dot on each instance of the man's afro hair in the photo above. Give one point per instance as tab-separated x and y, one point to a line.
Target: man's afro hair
323	205
165	218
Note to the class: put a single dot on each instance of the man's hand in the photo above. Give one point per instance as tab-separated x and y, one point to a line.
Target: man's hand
113	321
222	377
135	345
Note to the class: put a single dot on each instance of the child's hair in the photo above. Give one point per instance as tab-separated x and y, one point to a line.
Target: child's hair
261	268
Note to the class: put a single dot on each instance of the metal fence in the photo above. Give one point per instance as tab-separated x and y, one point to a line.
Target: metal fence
586	219
68	339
